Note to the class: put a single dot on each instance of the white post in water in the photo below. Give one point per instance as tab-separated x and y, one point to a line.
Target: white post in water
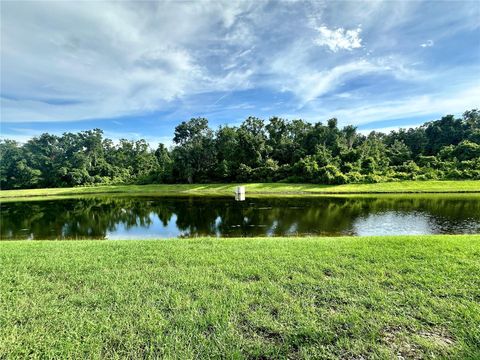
240	193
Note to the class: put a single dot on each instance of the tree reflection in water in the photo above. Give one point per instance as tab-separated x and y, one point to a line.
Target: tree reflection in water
109	216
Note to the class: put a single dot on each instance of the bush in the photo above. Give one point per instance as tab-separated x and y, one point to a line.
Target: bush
454	174
331	175
428	161
244	173
403	176
429	174
355	177
374	178
307	169
268	170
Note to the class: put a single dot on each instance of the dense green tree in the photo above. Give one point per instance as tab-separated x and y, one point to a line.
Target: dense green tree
44	153
276	150
350	135
252	142
467	150
279	140
446	131
399	153
165	164
194	156
14	169
373	153
226	146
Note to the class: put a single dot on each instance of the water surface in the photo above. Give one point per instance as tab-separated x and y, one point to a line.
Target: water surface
114	217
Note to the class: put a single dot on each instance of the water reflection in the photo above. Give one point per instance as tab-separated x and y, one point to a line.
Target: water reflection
240	196
154	217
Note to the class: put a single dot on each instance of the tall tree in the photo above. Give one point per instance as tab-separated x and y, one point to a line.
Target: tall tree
194	154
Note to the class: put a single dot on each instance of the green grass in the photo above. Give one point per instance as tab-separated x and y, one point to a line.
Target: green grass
328	298
258	189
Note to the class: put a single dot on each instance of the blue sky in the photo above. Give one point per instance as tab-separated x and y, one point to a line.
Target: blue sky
137	69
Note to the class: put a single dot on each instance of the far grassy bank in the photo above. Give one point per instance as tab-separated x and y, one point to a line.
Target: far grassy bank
467	186
373	297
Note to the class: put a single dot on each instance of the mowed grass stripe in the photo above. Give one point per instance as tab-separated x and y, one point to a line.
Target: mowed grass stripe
466	186
370	297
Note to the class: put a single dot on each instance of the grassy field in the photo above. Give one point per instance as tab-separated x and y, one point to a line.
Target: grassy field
348	298
258	189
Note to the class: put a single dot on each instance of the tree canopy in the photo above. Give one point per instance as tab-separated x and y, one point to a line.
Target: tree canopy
256	150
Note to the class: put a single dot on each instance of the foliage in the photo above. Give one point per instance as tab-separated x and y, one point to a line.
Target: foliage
277	150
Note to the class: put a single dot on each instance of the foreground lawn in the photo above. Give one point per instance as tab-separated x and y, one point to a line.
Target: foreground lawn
259	189
349	298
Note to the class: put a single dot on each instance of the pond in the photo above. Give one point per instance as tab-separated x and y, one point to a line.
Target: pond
114	217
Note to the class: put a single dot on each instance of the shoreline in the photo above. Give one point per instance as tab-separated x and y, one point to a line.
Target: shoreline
260	189
182	241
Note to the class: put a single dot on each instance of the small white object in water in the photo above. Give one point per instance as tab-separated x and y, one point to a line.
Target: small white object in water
240	193
239	197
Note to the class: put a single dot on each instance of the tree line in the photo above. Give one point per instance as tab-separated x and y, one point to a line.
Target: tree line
255	151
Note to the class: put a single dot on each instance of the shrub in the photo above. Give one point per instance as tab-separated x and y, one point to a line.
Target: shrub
329	174
355	177
374	178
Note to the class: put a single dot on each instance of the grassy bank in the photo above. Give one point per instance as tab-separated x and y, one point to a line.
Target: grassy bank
259	189
416	297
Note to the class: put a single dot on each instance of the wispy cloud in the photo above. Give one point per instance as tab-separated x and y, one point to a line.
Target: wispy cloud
414	108
114	59
70	61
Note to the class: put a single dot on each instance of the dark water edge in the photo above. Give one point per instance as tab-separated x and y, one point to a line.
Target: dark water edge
133	217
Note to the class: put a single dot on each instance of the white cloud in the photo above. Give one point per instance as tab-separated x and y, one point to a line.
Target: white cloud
312	85
428	43
308	83
64	61
74	61
153	141
358	113
339	39
385	129
23	135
